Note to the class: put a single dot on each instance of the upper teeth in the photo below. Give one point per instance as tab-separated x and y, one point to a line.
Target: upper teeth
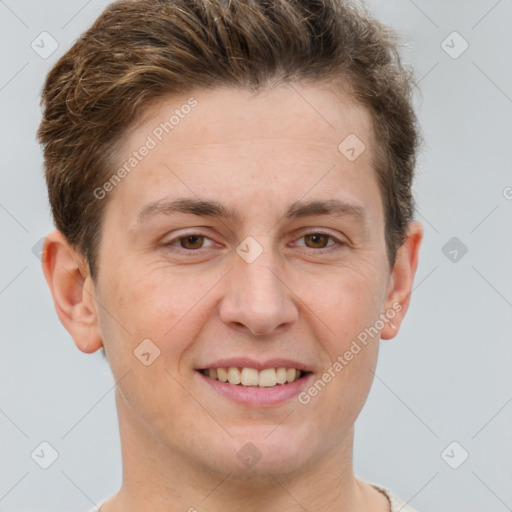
252	377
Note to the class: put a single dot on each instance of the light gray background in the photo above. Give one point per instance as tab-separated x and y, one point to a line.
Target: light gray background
445	378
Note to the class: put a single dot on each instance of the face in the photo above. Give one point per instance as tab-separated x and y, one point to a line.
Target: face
244	238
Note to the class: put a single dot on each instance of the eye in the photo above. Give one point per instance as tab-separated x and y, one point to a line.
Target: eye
194	242
190	242
319	240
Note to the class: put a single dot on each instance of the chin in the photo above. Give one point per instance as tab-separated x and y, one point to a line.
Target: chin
256	451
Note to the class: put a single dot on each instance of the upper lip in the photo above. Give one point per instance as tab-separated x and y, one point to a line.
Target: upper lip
247	362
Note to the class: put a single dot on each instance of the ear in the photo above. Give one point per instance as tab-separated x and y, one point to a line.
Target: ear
402	279
73	292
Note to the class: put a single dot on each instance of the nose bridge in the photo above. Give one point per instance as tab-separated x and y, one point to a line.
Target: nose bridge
259	280
257	297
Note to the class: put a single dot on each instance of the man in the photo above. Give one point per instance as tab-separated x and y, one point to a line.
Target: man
231	184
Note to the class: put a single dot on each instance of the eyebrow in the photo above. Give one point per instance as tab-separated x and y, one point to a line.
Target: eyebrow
296	210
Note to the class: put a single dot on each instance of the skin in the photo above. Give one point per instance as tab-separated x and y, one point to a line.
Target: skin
259	154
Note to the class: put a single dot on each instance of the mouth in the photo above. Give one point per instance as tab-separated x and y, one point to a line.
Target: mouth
255	383
253	377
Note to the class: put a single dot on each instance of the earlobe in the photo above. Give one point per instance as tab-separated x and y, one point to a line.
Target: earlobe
73	292
402	280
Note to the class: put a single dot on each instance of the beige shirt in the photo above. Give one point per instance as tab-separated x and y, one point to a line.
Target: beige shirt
396	504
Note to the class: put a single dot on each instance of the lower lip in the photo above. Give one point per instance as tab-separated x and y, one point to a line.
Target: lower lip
256	396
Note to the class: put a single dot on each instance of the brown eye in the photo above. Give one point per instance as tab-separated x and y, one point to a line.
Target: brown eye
319	240
192	242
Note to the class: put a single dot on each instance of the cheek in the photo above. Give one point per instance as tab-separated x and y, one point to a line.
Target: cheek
351	386
349	303
352	307
158	304
348	373
145	323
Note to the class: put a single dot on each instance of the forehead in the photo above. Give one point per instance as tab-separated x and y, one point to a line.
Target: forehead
276	145
320	114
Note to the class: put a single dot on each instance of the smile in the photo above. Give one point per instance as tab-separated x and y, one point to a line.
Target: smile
251	377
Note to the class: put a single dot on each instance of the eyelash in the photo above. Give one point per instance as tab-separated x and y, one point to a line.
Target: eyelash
191	252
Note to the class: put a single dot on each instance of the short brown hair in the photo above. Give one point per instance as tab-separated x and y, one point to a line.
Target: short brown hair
138	51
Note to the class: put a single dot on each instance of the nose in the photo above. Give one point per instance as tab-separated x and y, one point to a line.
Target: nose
258	299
